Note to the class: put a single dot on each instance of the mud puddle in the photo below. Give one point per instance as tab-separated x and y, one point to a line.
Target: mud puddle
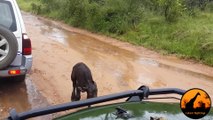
21	96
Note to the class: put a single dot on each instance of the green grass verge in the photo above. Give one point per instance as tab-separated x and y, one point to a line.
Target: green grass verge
26	4
189	37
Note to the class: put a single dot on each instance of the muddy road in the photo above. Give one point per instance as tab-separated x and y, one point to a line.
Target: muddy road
116	66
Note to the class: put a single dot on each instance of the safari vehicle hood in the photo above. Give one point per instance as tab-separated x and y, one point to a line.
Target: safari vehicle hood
136	107
133	111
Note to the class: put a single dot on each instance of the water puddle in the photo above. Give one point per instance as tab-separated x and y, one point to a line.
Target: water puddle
13	95
186	72
148	62
21	96
80	42
36	100
154	63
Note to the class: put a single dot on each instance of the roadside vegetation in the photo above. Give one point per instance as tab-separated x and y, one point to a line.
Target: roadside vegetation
180	27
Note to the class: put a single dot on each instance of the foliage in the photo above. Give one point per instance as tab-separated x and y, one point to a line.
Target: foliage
187	38
181	27
172	9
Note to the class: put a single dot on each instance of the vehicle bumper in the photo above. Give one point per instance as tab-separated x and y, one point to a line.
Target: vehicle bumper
24	68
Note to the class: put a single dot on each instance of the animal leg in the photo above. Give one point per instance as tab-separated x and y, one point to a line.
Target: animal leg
92	91
76	95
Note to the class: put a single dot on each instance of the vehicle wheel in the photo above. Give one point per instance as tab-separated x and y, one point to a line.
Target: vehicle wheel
8	47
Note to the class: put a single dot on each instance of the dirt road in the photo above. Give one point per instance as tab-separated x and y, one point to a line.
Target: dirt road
116	66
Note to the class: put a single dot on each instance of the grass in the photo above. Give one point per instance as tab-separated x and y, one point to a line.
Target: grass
185	38
26	4
189	37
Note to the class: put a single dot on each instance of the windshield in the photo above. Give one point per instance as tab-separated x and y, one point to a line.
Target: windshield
7	18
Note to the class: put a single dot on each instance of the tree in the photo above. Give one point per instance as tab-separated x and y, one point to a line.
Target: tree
172	9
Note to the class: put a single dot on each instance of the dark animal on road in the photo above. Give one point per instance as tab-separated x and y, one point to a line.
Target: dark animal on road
82	82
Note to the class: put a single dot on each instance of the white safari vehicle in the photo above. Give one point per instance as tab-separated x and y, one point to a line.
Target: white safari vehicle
15	46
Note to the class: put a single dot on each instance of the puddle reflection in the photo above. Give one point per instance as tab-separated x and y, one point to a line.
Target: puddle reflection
13	95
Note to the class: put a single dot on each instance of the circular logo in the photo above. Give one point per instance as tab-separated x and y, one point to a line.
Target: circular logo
195	103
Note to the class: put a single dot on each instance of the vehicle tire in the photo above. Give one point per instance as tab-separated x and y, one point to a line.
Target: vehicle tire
8	47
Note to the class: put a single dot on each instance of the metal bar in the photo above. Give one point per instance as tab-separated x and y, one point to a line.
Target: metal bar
76	104
88	102
166	91
158	98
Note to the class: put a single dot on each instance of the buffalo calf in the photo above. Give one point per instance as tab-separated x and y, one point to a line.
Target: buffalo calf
82	82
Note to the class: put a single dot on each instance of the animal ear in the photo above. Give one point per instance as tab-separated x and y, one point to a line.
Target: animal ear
151	118
94	83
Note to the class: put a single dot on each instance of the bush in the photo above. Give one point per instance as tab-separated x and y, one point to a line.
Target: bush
172	9
165	25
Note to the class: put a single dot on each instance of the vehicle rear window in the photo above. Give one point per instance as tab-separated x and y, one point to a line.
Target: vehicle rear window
7	17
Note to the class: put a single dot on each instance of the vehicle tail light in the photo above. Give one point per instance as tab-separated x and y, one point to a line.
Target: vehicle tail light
26	45
14	72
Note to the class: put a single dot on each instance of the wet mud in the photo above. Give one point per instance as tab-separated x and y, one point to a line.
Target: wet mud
19	95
